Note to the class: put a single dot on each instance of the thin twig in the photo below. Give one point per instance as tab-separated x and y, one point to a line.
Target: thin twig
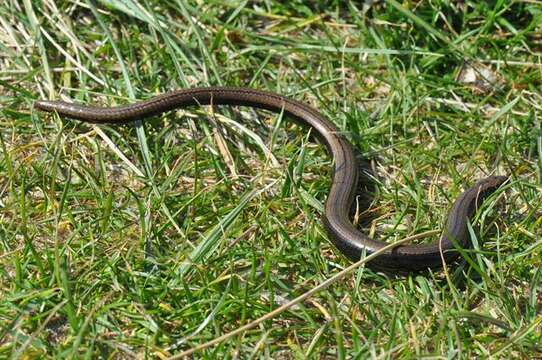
302	297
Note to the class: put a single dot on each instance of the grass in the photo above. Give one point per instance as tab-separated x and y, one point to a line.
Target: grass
150	239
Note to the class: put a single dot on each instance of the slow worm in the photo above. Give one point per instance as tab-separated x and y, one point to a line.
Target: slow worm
346	237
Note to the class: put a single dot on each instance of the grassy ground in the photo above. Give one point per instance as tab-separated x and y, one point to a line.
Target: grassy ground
97	223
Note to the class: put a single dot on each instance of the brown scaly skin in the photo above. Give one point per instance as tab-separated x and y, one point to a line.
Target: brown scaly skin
350	241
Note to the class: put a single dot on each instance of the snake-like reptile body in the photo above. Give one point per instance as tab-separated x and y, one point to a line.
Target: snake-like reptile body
346	237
